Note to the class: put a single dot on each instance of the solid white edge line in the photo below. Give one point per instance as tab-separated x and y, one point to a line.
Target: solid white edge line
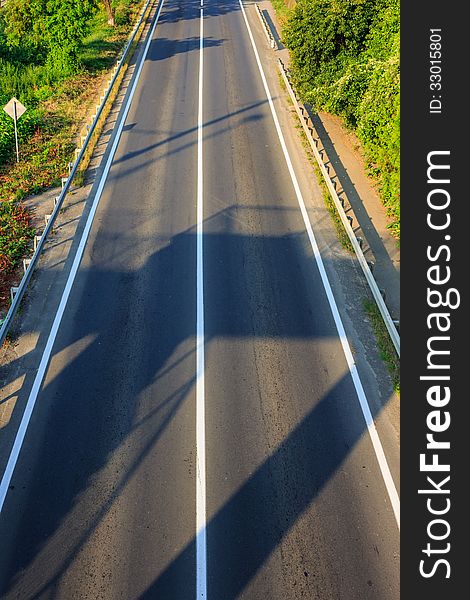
21	433
379	452
201	541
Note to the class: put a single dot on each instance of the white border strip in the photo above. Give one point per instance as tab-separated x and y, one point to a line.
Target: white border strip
18	443
201	541
379	452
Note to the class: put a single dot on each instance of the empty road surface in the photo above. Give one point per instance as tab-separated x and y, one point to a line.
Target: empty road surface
198	432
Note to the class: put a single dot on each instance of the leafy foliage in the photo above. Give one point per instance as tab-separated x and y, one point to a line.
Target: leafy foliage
15	233
44	156
53	28
346	61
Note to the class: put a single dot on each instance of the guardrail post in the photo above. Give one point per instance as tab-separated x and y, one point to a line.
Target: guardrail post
26	263
267	29
13	291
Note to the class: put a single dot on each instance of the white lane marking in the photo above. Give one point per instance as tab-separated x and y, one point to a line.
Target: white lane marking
15	451
379	452
201	541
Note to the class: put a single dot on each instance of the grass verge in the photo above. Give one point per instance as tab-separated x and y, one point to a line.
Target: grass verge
333	211
282	12
57	115
384	343
341	233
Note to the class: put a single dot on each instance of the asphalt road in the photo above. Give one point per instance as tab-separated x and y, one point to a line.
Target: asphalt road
102	502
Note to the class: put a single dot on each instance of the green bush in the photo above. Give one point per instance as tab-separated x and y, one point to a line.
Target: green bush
52	29
39	49
378	127
25	82
122	13
345	57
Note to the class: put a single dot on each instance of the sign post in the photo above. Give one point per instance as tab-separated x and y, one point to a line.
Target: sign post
15	109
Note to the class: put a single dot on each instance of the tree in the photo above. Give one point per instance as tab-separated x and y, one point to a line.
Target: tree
54	28
66	25
23	24
108	5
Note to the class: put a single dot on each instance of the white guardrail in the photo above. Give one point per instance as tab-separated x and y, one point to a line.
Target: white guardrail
29	265
346	220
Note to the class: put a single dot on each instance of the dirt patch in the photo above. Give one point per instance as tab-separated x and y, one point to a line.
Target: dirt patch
7	281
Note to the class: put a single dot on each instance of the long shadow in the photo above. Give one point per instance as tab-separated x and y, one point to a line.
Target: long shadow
191	130
165	48
146	370
142	165
165	411
272	27
105	392
129	384
161	48
242	535
228	212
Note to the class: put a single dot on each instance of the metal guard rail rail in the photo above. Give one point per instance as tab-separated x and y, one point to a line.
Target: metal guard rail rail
267	29
389	323
7	321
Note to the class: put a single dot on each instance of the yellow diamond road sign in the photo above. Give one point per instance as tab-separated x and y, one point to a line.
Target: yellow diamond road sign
14	108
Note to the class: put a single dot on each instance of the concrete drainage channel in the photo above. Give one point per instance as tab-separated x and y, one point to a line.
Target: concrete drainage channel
77	169
342	204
